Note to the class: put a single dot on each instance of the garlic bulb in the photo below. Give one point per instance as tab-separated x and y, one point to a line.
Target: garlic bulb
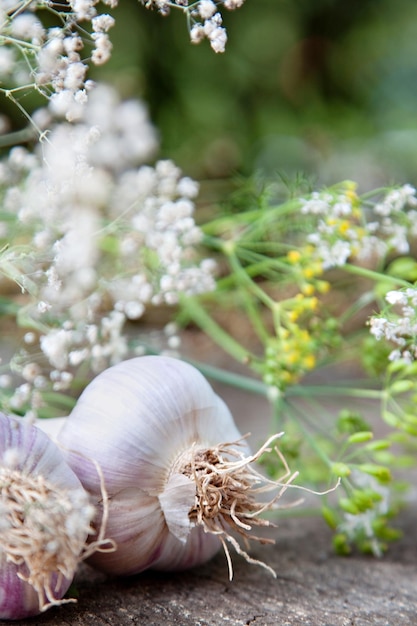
45	518
178	486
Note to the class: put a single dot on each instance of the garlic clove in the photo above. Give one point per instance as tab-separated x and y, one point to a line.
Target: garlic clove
199	548
18	598
176	500
51	426
44	523
137	526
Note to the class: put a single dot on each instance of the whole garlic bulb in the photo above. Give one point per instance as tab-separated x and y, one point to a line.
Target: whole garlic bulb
45	517
173	465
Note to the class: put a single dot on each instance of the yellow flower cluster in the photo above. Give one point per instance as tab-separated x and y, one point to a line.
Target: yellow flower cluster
289	356
302	331
307	270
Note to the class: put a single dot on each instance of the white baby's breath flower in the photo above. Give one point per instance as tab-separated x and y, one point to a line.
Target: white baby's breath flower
197	33
103	47
399	326
110	237
218	39
206	9
43	306
83	9
396	200
204	18
102	23
55	347
27	26
52	60
396	297
233	4
7	60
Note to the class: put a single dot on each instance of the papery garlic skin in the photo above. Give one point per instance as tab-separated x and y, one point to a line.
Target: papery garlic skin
138	420
45	518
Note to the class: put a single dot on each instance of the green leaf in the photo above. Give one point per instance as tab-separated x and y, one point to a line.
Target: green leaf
404	267
351	422
377	446
348	506
410	429
391	419
401	386
341	544
365	499
330	517
360	437
110	244
341	469
379	471
59	399
8	307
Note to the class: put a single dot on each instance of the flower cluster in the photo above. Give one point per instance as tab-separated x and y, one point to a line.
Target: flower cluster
96	237
47	47
398	218
337	234
304	334
53	59
289	356
343	227
365	515
204	18
398	324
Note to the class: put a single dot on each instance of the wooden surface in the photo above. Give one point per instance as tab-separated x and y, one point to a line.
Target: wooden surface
313	587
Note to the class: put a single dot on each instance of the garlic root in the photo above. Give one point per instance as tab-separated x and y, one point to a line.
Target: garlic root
29	537
225	500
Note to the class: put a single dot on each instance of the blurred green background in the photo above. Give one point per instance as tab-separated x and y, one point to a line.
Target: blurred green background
327	88
323	88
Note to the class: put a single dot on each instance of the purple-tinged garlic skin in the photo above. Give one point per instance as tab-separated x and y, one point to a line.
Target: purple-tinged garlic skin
18	599
138	420
28	460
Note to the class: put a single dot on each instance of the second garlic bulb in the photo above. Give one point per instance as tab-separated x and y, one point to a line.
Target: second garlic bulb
172	460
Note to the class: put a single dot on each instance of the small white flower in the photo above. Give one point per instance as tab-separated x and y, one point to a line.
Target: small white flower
218	39
232	4
103	47
396	297
27	26
43	306
378	326
197	33
206	9
102	23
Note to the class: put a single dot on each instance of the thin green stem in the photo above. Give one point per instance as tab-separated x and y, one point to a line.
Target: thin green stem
375	276
226	377
193	309
241	381
257	228
245	280
231	221
214	243
19	43
311	441
325	390
359	304
261	265
20	136
247	289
